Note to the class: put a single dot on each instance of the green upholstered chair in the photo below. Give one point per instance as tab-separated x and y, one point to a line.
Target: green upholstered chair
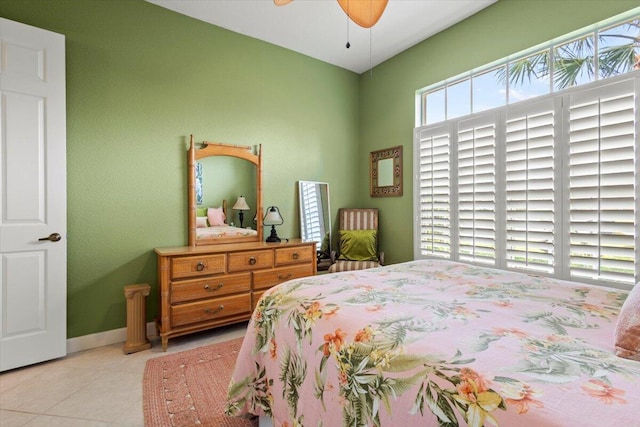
358	241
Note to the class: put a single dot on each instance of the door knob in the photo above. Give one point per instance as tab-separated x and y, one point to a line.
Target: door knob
53	237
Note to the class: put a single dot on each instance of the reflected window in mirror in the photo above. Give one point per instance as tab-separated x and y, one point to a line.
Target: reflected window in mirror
315	217
386	172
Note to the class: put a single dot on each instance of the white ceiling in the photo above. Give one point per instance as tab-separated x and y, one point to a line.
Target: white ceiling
318	28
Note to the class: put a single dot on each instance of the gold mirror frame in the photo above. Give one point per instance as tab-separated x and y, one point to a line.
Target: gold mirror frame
386	181
210	149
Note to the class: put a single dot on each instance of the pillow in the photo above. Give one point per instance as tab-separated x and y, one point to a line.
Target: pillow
201	222
324	246
358	245
216	216
201	212
627	333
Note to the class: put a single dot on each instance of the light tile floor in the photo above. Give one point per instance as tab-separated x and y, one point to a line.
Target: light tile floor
94	388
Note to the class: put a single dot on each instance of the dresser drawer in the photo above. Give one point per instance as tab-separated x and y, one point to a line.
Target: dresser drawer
195	289
269	278
192	266
250	260
213	309
294	255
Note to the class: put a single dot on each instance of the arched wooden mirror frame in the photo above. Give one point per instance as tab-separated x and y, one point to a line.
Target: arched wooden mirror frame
219	149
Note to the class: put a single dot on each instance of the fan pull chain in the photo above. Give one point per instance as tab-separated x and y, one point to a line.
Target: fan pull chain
348	45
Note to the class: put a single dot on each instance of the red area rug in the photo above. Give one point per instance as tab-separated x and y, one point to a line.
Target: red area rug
190	388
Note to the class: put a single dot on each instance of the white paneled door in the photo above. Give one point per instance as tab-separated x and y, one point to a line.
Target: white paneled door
33	206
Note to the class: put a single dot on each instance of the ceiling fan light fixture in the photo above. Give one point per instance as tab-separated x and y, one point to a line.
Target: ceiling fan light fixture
365	13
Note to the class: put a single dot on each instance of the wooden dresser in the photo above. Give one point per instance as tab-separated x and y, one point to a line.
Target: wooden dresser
203	287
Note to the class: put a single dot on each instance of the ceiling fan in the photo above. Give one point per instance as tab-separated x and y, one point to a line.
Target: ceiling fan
365	13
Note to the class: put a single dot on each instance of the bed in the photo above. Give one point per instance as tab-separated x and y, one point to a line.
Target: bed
212	223
435	343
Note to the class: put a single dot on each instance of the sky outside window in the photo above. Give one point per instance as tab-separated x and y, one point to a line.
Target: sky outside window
488	90
435	106
459	99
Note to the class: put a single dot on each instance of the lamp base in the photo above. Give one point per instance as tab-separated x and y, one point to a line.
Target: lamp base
273	237
241	216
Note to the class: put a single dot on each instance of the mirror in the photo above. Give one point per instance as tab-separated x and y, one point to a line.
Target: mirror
315	215
218	174
386	172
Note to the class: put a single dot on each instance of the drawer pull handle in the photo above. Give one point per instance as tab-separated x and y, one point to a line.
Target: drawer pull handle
218	286
284	277
215	310
252	261
200	266
295	255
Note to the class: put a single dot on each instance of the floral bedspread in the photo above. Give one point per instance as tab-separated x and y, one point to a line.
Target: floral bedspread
223	231
435	343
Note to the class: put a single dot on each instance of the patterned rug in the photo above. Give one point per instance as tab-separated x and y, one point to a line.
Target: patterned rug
190	388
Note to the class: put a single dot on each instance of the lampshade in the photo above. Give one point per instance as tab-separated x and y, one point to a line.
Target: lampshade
365	13
241	204
273	216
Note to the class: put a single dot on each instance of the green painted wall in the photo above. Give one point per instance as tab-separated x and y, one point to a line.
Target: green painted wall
140	79
387	97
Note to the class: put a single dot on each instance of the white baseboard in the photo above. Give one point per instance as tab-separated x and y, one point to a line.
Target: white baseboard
100	339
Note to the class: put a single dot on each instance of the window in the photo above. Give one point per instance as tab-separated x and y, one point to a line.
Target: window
460	104
549	186
488	91
612	49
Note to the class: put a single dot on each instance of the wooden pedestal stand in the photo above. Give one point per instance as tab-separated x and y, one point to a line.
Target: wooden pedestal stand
136	318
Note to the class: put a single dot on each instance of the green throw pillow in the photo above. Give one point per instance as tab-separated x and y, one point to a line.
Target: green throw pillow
324	247
201	211
358	245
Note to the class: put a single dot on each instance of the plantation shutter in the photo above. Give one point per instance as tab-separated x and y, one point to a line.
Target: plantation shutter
477	190
602	195
530	191
311	223
435	192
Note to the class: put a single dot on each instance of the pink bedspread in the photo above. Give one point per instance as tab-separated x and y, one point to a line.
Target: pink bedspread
435	343
219	231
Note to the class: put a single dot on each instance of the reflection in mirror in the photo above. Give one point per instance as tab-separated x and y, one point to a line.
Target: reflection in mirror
218	174
227	178
315	217
386	172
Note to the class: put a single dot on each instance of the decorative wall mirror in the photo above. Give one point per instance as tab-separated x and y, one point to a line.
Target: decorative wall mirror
386	172
222	175
315	215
